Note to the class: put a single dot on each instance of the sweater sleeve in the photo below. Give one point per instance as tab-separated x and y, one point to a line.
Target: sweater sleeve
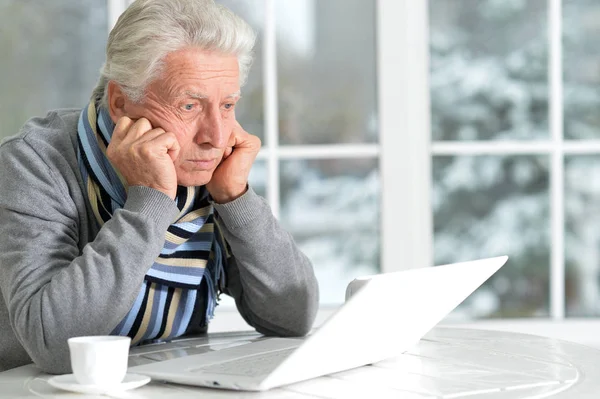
271	280
54	290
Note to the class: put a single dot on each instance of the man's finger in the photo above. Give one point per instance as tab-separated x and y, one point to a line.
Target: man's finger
227	152
121	128
169	142
242	139
139	128
151	135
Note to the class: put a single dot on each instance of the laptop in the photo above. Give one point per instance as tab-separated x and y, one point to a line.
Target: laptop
383	316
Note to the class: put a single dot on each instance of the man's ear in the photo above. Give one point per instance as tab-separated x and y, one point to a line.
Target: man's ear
116	101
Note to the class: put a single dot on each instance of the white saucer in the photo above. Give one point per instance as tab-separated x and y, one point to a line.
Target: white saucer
68	383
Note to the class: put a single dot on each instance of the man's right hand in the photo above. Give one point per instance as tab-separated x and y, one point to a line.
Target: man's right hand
144	155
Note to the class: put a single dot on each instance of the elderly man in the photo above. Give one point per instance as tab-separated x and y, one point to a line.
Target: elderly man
130	216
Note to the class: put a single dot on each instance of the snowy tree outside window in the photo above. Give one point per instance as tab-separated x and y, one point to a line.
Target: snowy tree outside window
490	82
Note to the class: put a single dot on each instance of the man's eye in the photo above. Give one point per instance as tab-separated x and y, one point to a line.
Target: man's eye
229	106
188	107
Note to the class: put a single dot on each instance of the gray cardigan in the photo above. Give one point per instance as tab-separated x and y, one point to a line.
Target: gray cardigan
61	276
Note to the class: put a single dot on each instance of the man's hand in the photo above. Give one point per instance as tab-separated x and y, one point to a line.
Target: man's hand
144	156
230	179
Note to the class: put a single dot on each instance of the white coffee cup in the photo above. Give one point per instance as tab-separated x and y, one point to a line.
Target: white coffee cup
99	360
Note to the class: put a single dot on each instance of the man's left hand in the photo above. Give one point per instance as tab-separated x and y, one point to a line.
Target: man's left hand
230	179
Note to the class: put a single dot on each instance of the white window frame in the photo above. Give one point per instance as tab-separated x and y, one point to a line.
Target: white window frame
402	199
555	147
115	8
403	82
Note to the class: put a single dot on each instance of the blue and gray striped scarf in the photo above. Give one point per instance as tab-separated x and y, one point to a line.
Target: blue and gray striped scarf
194	249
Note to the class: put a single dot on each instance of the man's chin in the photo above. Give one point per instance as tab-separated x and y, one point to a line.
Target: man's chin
196	179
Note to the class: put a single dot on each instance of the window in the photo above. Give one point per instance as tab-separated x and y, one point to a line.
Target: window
51	54
489	83
313	100
396	133
514	89
581	107
339	97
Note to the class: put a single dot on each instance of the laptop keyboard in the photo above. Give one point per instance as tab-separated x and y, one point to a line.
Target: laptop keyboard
250	366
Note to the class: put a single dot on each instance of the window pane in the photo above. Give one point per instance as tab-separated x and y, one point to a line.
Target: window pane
249	110
488	206
581	30
582	238
489	77
51	54
332	209
258	178
326	71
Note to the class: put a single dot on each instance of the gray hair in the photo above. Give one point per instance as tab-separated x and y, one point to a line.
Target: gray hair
151	29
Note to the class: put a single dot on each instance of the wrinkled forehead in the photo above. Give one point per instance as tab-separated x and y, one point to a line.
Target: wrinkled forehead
205	96
199	74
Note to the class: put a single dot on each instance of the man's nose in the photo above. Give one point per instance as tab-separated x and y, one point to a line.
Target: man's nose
212	130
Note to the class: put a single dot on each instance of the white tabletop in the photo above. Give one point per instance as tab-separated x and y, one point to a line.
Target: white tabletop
447	363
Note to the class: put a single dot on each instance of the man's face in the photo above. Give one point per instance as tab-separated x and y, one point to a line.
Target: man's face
194	98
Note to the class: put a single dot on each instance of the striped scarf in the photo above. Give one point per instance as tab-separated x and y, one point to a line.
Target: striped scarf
194	249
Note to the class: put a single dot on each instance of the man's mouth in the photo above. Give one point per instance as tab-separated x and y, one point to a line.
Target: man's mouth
203	164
